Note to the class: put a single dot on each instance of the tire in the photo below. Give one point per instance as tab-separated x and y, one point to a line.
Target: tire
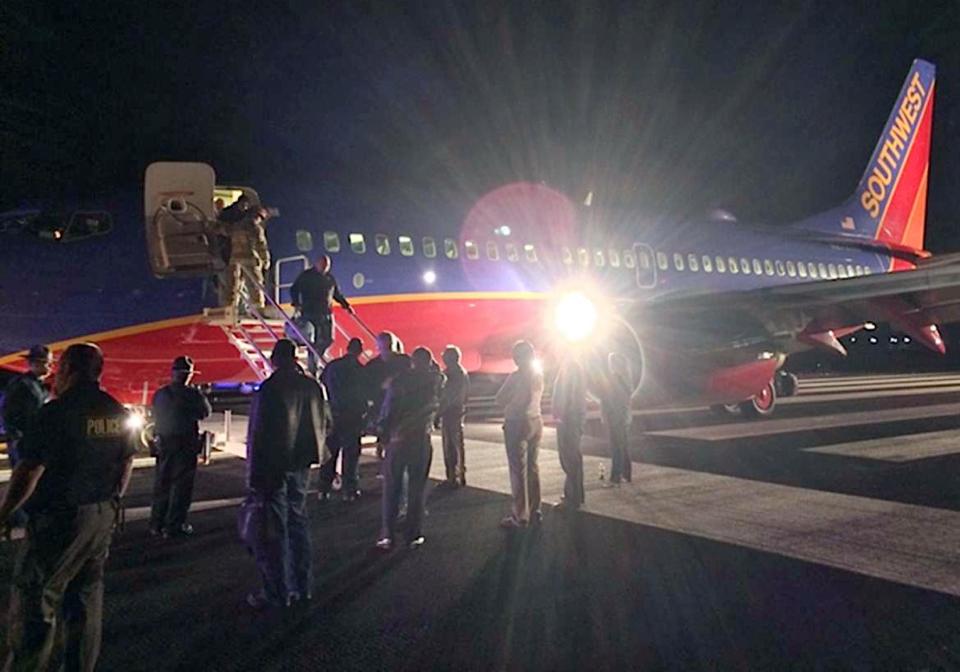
761	405
786	384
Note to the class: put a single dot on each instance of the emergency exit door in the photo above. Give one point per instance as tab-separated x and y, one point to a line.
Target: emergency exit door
646	266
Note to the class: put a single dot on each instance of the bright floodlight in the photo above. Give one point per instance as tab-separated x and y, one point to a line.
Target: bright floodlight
575	317
869	326
135	421
429	277
537	365
504	230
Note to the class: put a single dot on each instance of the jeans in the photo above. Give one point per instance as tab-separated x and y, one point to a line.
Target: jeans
346	439
282	549
569	434
318	330
410	456
522	439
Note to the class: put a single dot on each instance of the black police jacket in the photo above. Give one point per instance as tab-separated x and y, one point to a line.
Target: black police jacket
82	440
178	409
346	387
287	430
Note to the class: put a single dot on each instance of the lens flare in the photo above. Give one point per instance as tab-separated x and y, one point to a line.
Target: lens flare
135	421
575	317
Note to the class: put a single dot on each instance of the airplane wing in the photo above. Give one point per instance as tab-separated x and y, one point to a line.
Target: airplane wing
914	301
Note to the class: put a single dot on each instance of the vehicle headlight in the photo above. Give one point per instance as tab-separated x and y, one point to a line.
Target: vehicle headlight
135	421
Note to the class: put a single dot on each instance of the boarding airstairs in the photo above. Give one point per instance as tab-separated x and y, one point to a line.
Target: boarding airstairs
255	331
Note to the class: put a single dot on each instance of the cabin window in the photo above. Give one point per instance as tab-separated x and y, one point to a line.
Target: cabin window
429	248
791	269
511	252
473	252
780	268
630	262
678	261
744	266
530	252
583	256
598	260
850	271
841	270
406	245
757	267
867	270
832	270
566	255
381	243
707	264
732	265
859	269
822	267
357	243
693	263
801	269
450	248
331	241
493	252
768	267
662	261
812	268
721	265
305	241
614	257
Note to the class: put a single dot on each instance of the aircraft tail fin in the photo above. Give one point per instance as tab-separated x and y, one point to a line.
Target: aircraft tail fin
890	202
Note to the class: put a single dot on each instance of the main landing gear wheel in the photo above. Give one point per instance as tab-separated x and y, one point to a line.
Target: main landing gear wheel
726	410
762	404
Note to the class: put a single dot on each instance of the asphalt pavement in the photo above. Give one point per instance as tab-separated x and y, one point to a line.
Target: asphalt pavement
808	544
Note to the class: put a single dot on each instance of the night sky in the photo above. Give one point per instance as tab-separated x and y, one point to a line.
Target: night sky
379	112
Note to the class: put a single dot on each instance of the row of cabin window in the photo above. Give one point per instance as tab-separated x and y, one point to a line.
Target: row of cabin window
733	265
471	249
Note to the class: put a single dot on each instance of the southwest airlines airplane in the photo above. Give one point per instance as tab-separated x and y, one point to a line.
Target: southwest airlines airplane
706	311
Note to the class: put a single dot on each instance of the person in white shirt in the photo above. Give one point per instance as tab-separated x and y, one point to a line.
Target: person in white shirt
520	399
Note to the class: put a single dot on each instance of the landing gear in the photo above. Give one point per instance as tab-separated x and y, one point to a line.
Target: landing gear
726	410
761	404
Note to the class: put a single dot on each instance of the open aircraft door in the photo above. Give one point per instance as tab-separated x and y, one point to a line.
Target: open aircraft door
646	266
180	221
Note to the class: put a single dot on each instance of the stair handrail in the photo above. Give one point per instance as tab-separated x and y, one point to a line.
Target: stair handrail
321	361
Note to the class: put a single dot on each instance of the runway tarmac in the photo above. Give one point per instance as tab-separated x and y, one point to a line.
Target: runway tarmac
828	538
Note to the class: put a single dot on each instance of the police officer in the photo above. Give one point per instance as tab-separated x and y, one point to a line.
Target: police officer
408	411
76	462
177	410
24	397
453	409
569	411
313	293
343	378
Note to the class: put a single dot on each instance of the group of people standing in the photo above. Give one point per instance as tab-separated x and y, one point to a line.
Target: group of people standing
297	420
